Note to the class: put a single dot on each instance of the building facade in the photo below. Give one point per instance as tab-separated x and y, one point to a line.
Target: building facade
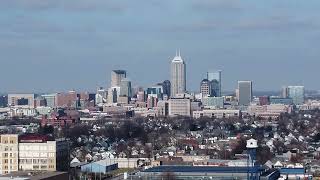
215	81
21	100
178	76
117	76
245	92
205	88
179	107
8	153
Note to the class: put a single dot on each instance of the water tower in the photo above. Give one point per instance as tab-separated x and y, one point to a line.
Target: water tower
252	146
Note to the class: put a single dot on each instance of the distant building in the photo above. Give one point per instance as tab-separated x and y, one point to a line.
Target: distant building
264	100
296	93
217	102
178	76
284	92
113	94
245	92
21	100
117	76
179	107
215	80
125	88
50	99
205	88
103	166
166	88
269	111
69	99
216	113
100	96
3	101
8	153
277	100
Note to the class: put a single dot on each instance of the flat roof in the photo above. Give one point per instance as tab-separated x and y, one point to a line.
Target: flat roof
203	169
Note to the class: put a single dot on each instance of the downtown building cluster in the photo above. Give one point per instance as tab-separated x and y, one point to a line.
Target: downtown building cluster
168	98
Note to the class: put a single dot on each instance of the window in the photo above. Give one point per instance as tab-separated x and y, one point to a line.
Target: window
5	154
6	161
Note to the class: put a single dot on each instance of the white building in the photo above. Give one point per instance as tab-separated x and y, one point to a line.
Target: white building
178	76
217	113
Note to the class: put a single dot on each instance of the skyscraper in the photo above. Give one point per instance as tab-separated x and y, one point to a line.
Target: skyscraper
117	76
284	92
245	92
296	93
178	76
166	88
125	88
215	80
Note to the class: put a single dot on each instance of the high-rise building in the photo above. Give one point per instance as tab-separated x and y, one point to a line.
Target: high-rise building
215	80
125	88
117	76
205	88
51	100
8	153
296	93
245	92
178	76
21	100
166	88
284	92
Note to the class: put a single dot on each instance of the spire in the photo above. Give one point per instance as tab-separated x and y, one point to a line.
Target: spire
179	53
176	52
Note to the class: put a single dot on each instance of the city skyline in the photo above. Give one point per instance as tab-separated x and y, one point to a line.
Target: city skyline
76	44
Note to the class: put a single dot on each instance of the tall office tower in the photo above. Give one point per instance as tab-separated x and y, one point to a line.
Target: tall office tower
125	88
245	92
205	88
178	76
166	88
296	93
117	76
284	92
215	79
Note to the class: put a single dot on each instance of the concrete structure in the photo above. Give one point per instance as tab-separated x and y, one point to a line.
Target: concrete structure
179	107
245	92
178	76
296	93
68	99
215	80
117	76
8	153
21	100
216	113
284	92
42	153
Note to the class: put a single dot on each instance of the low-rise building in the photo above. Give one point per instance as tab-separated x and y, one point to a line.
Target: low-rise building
179	107
42	153
216	113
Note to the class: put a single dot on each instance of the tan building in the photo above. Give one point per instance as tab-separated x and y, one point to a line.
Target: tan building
21	100
179	107
8	153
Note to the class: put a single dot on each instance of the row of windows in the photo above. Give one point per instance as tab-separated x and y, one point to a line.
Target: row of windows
36	161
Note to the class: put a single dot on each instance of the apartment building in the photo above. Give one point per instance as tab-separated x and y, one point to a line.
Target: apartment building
8	153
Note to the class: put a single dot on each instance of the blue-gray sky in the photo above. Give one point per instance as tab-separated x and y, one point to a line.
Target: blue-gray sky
56	45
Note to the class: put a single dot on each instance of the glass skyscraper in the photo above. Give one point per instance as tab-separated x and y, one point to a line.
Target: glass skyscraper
296	93
215	81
